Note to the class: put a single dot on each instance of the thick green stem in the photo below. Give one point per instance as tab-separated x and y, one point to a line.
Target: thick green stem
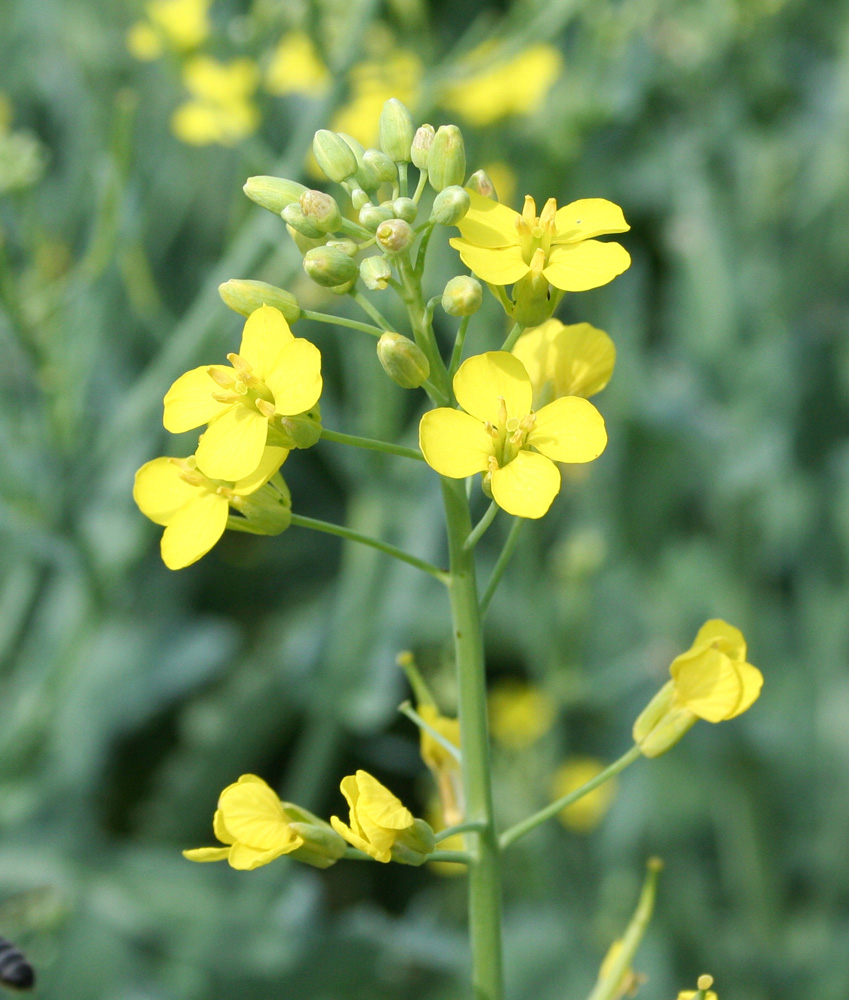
411	293
484	867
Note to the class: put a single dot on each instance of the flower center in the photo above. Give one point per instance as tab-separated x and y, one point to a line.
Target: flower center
536	232
510	435
242	386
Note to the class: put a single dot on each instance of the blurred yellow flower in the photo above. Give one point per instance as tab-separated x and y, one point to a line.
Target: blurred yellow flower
704	983
498	428
220	110
443	765
575	360
584	815
297	68
397	74
519	713
689	994
456	842
490	89
180	25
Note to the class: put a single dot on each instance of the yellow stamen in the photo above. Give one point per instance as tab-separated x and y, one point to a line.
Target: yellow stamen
224	379
265	408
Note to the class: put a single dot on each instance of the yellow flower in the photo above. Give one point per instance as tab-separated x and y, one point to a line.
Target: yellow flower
177	24
381	826
704	983
584	815
443	765
711	681
274	375
497	429
519	714
397	74
220	110
251	821
560	360
296	67
689	994
195	510
498	88
502	247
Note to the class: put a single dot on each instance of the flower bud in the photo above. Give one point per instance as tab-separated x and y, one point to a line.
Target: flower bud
273	193
396	131
375	272
333	155
481	182
405	208
450	205
361	175
402	360
462	296
299	431
380	166
329	266
371	216
415	844
305	243
359	198
345	245
293	215
422	141
446	164
395	235
662	722
322	845
244	296
268	511
321	210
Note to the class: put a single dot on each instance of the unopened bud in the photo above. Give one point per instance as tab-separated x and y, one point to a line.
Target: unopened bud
380	166
422	141
396	131
462	296
405	208
322	845
333	155
481	182
345	245
273	193
305	243
267	511
402	360
395	235
293	215
244	296
329	266
375	272
321	210
415	844
662	723
450	205
358	150
371	216
359	198
299	431
446	164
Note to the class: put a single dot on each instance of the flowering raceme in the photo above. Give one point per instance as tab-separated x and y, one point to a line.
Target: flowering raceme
560	360
498	428
274	375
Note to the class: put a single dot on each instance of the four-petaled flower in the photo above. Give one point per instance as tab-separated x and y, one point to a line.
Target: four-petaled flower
274	375
498	428
574	360
195	509
502	246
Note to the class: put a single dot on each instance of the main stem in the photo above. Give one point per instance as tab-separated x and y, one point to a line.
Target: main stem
484	867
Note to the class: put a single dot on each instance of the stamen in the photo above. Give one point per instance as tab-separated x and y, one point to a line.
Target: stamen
529	211
546	216
492	464
265	408
226	397
491	429
239	363
224	379
502	411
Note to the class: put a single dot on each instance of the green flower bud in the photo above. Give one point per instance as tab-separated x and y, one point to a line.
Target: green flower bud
402	360
405	208
422	141
321	210
268	511
361	175
446	164
359	198
395	236
662	723
273	193
380	166
415	844
244	296
396	131
329	266
450	205
322	845
371	216
375	272
462	296
481	183
344	288
334	155
345	245
299	431
294	216
305	243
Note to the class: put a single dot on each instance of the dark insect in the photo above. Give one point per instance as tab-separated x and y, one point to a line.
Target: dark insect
15	970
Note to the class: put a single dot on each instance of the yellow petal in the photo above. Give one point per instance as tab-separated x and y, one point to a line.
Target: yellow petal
254	816
586	218
454	444
723	636
577	360
482	382
575	267
232	446
295	377
500	266
194	530
751	682
380	805
219	828
265	332
207	853
189	402
160	492
707	683
526	486
246	858
569	430
488	223
272	459
359	842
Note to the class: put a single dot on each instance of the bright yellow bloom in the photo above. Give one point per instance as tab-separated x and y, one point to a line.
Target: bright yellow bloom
575	360
220	110
251	820
396	74
519	713
711	681
501	246
195	510
498	428
498	88
274	375
381	826
443	765
296	67
180	25
584	815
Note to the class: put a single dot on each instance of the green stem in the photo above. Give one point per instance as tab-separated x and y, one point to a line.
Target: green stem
422	251
458	857
484	868
367	307
532	822
402	179
512	337
456	354
420	186
501	565
422	330
354	324
298	521
405	708
450	831
477	532
371	444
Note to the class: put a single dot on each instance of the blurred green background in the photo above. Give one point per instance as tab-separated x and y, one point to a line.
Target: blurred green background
130	695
